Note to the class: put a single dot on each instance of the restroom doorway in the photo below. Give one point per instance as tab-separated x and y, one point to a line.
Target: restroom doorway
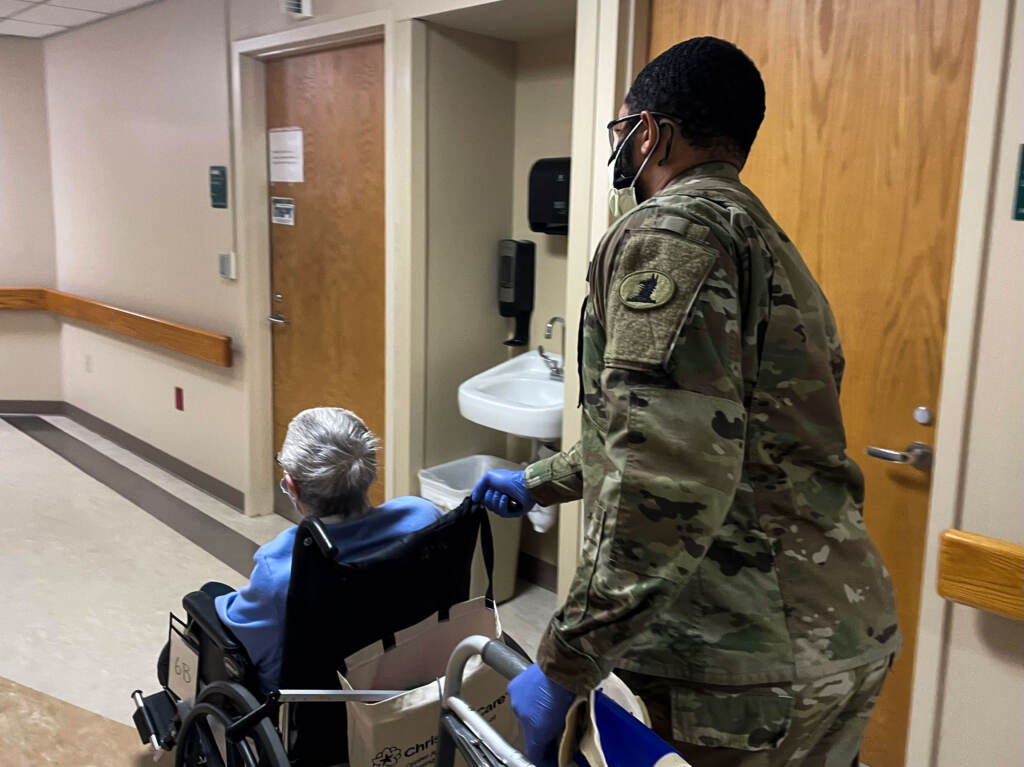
860	160
328	264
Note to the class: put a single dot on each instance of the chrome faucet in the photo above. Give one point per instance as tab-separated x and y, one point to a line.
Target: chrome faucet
557	370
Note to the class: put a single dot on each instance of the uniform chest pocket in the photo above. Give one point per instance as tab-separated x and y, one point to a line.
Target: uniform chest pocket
747	721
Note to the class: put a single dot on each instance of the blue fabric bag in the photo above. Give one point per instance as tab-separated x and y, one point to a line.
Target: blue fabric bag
602	733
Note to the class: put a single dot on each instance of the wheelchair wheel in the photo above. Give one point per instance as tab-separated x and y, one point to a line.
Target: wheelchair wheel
202	741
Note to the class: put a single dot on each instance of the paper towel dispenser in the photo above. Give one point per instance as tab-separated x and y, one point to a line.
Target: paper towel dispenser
548	197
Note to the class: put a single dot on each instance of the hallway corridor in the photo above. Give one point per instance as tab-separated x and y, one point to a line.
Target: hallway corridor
89	577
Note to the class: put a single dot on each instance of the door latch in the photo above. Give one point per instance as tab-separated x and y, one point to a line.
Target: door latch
917	454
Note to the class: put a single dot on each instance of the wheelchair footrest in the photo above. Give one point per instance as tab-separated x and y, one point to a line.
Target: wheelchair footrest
154	719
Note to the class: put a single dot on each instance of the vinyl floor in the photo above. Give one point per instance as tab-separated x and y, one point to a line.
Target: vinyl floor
96	547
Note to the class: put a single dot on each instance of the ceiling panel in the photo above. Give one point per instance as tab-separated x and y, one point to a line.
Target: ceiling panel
40	18
45	13
7	7
27	29
103	6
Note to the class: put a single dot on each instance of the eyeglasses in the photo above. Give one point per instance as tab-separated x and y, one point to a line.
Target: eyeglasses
621	127
281	484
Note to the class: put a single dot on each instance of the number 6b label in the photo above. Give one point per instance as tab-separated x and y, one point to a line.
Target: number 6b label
183	676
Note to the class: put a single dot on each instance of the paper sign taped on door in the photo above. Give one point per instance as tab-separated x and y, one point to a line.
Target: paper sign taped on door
285	146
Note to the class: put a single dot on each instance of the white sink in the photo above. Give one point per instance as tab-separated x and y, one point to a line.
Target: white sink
517	397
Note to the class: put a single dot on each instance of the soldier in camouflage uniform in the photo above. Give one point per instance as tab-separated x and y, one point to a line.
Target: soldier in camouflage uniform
726	574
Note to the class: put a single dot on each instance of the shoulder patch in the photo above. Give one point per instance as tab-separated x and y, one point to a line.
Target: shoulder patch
646	290
654	270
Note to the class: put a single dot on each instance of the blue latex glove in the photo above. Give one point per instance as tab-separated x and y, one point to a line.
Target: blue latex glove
497	487
541	706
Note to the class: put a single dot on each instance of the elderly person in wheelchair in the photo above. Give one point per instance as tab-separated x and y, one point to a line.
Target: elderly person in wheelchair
329	459
262	658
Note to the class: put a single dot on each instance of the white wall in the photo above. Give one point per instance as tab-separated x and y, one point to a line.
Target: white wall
29	341
983	697
470	126
138	111
260	17
543	128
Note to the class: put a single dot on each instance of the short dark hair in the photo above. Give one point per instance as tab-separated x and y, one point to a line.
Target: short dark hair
710	86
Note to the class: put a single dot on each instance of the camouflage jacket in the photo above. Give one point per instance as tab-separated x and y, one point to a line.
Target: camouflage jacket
724	541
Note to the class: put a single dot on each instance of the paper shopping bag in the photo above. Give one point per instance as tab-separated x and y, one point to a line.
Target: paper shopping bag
402	731
610	729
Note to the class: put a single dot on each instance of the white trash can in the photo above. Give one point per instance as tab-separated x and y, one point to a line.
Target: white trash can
447	486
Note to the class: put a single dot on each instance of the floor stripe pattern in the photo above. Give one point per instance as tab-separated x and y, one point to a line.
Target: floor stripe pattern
217	539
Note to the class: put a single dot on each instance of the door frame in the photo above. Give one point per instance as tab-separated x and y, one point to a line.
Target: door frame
405	174
607	33
956	394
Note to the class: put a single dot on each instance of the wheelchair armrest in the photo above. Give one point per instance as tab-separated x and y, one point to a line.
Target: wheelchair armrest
200	608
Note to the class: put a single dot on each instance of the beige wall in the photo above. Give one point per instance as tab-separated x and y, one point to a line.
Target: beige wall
983	695
543	128
29	341
138	111
261	17
470	125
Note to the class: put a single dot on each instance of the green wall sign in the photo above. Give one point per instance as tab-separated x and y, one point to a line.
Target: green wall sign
219	186
1018	203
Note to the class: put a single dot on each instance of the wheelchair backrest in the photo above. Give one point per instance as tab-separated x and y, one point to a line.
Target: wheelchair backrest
335	608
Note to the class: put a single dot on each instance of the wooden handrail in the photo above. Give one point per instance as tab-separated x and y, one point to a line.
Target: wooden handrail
981	572
202	344
23	298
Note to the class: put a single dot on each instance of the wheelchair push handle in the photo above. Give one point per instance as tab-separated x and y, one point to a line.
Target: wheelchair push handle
504	659
495	654
461	726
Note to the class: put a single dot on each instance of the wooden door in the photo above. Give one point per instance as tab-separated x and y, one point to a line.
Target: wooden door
328	269
860	161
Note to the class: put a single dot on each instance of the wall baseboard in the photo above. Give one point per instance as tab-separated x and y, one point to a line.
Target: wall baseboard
208	484
32	406
538	572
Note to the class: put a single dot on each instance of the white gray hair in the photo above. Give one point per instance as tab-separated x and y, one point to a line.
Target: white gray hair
332	458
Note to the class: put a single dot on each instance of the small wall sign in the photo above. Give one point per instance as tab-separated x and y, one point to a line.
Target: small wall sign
219	186
282	210
1018	203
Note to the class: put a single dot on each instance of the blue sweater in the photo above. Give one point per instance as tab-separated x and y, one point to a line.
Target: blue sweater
255	613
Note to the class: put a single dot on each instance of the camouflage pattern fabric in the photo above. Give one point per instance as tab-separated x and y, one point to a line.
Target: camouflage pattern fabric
819	722
724	541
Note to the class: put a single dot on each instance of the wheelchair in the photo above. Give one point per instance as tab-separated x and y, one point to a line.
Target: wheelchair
221	718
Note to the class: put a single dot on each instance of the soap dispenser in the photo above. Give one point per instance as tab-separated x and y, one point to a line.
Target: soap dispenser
516	264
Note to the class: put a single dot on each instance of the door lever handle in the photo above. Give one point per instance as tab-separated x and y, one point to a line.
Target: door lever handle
917	454
277	319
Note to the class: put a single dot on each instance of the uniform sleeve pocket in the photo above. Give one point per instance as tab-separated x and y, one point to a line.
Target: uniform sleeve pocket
747	721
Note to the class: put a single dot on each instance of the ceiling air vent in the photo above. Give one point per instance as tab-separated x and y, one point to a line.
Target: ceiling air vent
300	9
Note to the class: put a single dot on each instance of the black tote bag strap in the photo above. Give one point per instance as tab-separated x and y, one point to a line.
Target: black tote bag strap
579	351
487	549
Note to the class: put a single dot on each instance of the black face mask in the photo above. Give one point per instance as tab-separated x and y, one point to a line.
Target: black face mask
625	168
